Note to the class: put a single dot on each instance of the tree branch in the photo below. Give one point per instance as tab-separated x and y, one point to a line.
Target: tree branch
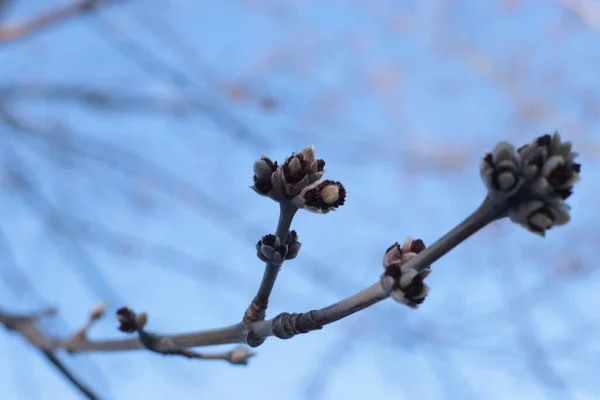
25	325
50	356
284	325
45	20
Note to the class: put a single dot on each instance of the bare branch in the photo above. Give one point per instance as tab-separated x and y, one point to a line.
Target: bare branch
50	356
9	33
284	325
26	326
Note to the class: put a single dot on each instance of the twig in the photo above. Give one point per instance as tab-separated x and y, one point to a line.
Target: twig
256	310
130	322
9	33
70	377
25	325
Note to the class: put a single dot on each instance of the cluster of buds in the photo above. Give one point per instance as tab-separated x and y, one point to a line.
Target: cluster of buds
298	179
270	249
536	179
404	285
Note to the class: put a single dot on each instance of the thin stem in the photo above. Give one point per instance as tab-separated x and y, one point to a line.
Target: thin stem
50	356
257	309
487	212
226	335
287	325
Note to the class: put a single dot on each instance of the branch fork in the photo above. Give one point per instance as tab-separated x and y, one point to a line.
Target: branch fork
529	185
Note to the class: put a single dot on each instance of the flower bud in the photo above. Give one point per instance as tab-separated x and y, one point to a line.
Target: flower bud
240	355
270	249
537	216
546	173
263	171
299	170
499	169
293	245
321	196
97	312
127	320
404	285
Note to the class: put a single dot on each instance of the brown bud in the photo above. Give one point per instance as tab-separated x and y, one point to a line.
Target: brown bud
127	320
392	256
321	196
263	171
97	312
404	284
270	249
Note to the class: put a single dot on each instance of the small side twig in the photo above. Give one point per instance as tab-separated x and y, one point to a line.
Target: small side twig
26	326
131	322
50	356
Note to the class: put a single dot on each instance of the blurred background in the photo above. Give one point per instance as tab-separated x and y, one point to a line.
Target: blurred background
127	136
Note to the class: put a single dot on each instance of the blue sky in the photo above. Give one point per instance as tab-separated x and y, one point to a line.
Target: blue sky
400	98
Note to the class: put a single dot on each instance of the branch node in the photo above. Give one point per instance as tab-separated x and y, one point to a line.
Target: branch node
286	325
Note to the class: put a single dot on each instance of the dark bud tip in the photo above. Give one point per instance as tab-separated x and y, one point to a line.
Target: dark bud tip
417	246
127	320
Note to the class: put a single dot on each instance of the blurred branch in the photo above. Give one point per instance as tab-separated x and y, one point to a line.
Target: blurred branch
96	98
117	158
45	20
50	356
26	327
156	67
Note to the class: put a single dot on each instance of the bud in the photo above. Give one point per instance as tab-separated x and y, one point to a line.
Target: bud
392	256
299	170
537	216
240	355
127	320
263	171
549	166
546	173
97	312
270	249
293	245
321	196
404	285
499	170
